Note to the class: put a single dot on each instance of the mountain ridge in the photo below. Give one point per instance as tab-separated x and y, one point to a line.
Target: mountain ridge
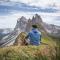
25	25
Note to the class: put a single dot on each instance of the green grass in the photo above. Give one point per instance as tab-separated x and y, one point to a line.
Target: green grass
47	50
43	52
24	53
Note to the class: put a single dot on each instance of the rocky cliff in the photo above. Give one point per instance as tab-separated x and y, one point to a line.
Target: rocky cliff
21	24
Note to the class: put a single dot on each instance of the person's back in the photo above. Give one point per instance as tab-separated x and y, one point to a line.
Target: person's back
34	36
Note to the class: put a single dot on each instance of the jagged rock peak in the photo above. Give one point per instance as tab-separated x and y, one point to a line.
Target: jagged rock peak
29	19
36	19
22	19
36	15
29	25
21	24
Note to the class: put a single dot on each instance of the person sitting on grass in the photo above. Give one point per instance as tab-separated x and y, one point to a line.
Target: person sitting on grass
34	36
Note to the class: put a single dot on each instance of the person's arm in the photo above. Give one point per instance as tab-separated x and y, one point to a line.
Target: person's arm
40	37
27	36
26	39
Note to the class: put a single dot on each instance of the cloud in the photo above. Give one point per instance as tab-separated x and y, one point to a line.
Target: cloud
9	21
39	2
12	19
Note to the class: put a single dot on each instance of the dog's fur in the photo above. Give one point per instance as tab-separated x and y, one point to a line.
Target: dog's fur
20	40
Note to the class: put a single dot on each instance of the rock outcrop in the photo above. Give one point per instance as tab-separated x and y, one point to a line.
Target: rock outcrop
35	20
21	24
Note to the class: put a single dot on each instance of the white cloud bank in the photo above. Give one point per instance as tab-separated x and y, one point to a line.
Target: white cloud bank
40	2
9	21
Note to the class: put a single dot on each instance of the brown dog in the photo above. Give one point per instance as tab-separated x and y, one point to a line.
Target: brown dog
20	40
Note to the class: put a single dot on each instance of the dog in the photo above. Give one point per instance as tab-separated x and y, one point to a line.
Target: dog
20	40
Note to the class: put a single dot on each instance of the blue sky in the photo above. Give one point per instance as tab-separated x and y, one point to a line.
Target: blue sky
11	11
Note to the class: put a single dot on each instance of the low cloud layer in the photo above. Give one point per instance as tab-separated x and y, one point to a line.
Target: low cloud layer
40	2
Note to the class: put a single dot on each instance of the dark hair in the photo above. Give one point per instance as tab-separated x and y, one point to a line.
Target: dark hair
34	26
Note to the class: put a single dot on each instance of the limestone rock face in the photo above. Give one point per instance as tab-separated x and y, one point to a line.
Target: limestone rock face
21	24
29	25
36	19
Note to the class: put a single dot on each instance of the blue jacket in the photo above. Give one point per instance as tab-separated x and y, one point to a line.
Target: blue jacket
34	37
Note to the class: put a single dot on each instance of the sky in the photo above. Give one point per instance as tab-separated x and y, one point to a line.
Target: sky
39	2
9	20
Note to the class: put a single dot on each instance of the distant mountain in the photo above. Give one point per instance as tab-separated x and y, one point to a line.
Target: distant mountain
53	30
4	32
